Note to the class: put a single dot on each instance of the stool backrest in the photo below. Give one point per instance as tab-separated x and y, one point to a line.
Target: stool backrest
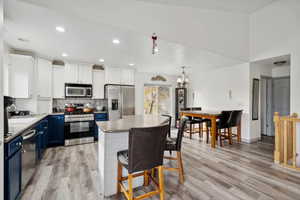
170	123
180	133
235	118
146	147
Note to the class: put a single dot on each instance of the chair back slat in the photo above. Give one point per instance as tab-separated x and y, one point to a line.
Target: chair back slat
180	133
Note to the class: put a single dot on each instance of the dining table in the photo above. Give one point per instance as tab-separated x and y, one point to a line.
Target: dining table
213	116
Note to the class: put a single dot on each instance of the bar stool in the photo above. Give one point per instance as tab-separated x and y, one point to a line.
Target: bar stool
145	152
174	144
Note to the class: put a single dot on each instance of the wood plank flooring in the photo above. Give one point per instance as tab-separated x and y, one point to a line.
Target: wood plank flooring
240	171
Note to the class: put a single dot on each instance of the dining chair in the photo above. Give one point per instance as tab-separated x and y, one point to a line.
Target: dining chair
145	152
192	121
222	127
169	122
234	121
174	144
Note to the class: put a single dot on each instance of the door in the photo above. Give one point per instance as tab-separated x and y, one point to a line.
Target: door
98	84
127	77
113	95
71	73
21	76
281	96
85	74
14	167
112	75
128	101
266	106
58	82
44	78
56	130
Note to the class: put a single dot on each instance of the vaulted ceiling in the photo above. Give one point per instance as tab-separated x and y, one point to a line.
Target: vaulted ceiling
198	33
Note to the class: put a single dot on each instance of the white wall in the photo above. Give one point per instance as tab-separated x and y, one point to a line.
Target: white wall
225	88
256	71
281	71
1	105
141	79
275	31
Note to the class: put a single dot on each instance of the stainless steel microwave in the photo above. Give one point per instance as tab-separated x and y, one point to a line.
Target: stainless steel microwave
78	90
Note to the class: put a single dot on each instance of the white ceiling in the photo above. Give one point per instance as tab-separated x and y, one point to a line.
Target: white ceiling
187	36
242	6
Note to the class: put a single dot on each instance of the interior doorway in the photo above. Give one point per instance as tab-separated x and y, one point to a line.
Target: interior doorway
274	93
275	97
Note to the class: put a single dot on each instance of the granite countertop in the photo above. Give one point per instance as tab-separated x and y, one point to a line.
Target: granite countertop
136	121
100	112
17	125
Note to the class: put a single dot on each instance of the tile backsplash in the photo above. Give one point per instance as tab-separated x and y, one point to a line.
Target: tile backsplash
100	103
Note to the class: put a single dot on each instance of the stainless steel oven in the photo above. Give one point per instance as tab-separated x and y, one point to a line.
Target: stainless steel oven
79	129
78	90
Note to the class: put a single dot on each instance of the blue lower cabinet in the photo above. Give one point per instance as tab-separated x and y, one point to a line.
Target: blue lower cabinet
99	117
42	138
13	169
56	127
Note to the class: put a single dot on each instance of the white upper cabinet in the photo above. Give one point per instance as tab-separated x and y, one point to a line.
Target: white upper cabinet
112	75
75	73
71	73
44	78
58	81
127	77
20	76
85	74
98	84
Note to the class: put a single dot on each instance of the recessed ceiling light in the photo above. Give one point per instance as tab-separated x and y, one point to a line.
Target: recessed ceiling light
64	55
23	40
131	64
60	29
101	60
116	41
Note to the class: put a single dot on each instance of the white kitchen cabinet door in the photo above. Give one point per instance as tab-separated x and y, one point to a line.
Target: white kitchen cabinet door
127	77
98	84
85	74
6	73
58	81
71	73
44	77
113	75
21	76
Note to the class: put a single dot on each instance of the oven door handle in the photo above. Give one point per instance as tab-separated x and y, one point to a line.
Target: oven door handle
29	134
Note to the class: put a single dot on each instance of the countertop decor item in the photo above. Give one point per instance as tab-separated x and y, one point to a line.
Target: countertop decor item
158	78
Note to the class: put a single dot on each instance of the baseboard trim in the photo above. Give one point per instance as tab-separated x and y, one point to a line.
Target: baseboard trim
250	140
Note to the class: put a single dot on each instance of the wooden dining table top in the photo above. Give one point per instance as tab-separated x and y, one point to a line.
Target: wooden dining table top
212	113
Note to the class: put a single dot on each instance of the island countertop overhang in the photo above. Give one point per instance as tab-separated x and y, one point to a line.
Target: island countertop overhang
128	122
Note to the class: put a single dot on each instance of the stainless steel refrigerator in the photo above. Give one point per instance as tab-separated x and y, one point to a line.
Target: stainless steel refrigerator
121	100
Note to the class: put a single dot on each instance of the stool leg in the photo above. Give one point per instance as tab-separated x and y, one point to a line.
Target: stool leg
119	178
161	183
230	136
180	167
146	178
191	131
153	172
207	135
130	190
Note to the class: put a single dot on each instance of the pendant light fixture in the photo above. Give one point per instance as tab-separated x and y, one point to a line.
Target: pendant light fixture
183	79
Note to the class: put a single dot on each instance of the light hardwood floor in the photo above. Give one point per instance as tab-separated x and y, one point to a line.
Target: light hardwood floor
240	171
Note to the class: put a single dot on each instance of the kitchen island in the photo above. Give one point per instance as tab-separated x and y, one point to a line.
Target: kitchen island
113	137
